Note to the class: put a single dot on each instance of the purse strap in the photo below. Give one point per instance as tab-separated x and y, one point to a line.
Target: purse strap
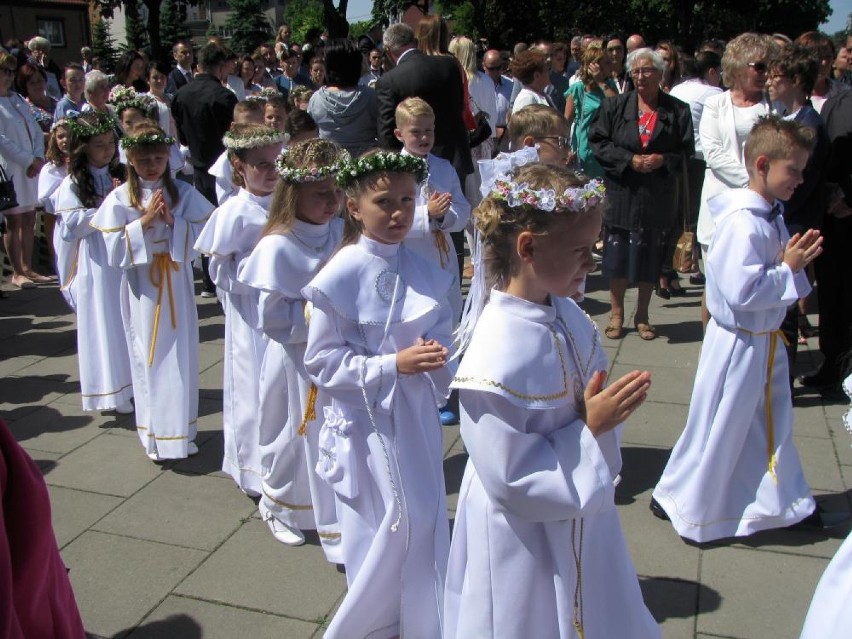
685	189
3	176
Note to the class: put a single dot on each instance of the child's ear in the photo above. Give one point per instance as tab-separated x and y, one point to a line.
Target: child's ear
397	134
529	140
761	164
352	208
525	246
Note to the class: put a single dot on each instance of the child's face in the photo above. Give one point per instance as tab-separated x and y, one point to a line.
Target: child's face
302	103
75	81
563	257
258	169
157	81
249	117
100	149
780	87
149	162
782	176
274	117
553	148
418	135
319	202
130	118
63	138
386	208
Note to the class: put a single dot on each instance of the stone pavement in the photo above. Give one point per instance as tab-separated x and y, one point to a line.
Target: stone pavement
177	551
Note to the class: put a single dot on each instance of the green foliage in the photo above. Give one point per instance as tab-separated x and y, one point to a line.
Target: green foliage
103	45
249	25
172	24
303	15
357	29
136	34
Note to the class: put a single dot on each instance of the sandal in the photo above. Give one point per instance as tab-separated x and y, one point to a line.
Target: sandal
615	328
645	330
805	328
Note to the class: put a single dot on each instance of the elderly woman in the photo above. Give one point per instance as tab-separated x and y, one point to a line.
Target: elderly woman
97	92
530	69
40	55
728	119
640	139
31	83
583	99
21	156
345	112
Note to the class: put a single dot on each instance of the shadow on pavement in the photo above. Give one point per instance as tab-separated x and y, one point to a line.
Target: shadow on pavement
30	389
26	423
453	472
668	598
681	333
641	468
174	627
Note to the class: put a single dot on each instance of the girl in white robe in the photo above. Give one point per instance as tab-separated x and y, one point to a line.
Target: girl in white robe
830	614
732	472
228	237
87	279
303	231
50	177
150	225
376	344
537	545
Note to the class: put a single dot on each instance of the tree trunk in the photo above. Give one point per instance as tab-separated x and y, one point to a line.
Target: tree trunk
154	28
335	18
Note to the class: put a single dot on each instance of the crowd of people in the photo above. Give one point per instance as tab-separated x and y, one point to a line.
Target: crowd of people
326	192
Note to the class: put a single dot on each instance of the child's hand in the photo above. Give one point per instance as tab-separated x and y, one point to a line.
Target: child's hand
153	210
439	204
802	250
605	408
421	358
166	213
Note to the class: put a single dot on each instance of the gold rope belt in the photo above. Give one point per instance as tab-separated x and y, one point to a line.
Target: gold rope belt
770	422
442	246
161	277
310	410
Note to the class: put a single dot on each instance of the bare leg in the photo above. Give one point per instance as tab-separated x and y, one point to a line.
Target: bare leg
617	289
640	317
12	242
27	245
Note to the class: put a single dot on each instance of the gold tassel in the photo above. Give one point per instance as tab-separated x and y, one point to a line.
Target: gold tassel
161	277
442	245
310	410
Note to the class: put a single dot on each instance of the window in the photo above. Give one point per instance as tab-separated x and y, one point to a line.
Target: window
53	30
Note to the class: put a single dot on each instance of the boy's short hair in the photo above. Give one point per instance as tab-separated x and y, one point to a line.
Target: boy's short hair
299	121
411	108
797	60
277	102
537	121
775	138
248	108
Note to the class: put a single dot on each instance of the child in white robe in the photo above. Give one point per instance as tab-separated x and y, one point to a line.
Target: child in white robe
87	279
245	112
304	229
50	177
735	470
228	237
150	225
376	344
537	545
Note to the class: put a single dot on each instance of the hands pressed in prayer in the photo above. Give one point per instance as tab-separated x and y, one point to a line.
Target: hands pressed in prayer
802	249
605	408
422	357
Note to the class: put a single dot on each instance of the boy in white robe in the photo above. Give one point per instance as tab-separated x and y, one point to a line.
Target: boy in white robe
245	112
735	470
228	237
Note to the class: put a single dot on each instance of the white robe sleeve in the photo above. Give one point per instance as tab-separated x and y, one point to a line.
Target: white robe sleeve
442	332
333	365
74	223
741	275
458	214
283	318
530	476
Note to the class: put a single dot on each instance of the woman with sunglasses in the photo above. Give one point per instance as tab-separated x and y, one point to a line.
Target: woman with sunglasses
641	139
21	156
728	119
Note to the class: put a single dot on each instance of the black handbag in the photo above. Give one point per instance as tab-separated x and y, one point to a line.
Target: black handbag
482	131
8	197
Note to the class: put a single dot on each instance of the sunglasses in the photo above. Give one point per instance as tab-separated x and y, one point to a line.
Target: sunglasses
759	67
560	141
495	68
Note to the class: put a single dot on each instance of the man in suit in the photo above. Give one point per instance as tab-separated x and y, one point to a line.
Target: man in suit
182	73
436	79
203	111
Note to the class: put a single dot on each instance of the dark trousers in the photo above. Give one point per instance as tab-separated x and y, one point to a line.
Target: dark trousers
206	185
834	278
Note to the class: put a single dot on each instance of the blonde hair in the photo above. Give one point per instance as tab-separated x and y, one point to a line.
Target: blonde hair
594	52
411	108
247	129
433	36
537	121
53	154
775	138
285	199
134	191
465	52
499	224
745	48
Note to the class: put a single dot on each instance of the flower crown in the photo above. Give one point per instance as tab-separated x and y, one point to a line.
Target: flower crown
147	139
381	161
576	199
310	173
235	142
127	98
82	129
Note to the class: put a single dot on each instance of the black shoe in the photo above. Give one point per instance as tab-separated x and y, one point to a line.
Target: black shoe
676	291
663	292
697	279
658	511
819	379
821	519
833	393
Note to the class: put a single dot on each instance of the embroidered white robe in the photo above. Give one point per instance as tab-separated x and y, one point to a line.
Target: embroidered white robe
278	268
158	308
228	238
718	481
369	302
92	286
537	496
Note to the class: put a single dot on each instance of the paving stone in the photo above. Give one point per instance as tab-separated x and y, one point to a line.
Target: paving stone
819	463
253	579
9	367
184	618
108	465
118	580
673	603
208	461
753	605
655	424
74	511
182	510
668	384
59	430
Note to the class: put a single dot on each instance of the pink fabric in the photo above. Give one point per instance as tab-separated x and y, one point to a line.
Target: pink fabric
36	600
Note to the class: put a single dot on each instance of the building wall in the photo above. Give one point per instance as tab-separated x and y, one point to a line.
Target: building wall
70	18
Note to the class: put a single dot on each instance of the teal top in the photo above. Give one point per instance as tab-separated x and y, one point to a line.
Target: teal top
586	104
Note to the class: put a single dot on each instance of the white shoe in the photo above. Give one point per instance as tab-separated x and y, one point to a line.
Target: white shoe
207	294
125	409
191	449
281	531
154	457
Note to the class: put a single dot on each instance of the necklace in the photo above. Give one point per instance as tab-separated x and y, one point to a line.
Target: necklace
315	249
